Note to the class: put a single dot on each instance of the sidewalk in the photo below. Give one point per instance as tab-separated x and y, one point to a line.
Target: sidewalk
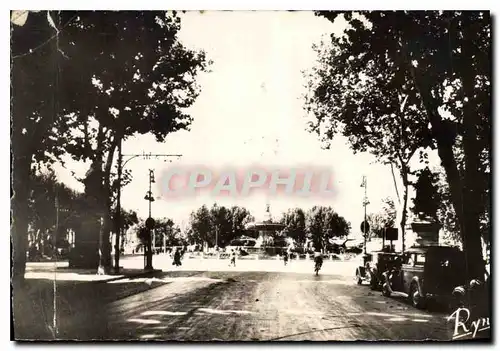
60	271
55	295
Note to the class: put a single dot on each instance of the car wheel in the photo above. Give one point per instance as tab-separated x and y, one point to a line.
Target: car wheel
416	299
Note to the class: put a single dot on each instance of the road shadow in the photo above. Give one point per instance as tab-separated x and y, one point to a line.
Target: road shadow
45	309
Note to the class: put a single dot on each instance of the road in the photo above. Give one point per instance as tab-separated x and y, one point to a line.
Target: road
232	304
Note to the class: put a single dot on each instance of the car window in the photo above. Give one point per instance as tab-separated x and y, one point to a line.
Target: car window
420	260
408	259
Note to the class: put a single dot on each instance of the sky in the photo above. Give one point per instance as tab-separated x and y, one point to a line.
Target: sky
251	110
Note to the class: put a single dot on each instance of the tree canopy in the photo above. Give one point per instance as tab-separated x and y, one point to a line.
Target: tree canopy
82	81
224	223
385	218
440	60
295	222
323	223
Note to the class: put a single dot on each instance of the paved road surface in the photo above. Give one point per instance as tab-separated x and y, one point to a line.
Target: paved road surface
237	305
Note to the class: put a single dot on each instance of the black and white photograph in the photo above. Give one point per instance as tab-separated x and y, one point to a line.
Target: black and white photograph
250	175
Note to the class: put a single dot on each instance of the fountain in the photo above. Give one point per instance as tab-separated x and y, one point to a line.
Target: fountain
266	230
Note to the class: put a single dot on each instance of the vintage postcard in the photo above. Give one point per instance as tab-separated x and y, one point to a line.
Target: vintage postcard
251	175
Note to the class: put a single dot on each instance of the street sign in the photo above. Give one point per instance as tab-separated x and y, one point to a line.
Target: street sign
363	224
150	223
391	234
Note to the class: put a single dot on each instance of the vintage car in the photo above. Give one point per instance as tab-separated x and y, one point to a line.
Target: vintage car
374	265
475	295
428	272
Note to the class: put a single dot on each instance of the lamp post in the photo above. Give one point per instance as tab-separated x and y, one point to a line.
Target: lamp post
149	224
121	167
118	210
364	184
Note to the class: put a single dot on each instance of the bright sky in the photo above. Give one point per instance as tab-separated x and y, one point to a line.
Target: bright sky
251	109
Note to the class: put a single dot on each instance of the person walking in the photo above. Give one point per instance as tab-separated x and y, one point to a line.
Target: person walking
233	258
177	258
285	257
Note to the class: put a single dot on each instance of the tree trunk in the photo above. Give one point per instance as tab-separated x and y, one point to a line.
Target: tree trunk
404	212
462	198
471	190
105	262
104	244
19	213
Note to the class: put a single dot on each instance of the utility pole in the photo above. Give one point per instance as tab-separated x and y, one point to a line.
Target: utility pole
121	167
118	210
149	197
364	184
54	249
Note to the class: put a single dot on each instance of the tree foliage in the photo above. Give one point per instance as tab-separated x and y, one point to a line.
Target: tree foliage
168	233
295	224
442	60
84	80
371	103
34	77
385	218
200	224
53	206
323	223
224	223
137	77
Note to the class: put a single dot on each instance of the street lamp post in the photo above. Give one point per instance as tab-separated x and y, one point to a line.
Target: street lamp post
121	167
150	199
118	210
364	184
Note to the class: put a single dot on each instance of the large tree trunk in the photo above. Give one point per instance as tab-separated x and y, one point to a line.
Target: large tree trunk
105	261
472	190
468	220
19	216
104	246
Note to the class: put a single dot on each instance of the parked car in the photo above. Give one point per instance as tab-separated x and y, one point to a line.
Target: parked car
374	265
429	272
352	246
475	296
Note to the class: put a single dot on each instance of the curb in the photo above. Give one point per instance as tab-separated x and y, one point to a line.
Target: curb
137	275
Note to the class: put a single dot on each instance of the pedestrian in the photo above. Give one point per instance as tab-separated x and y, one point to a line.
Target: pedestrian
318	261
177	258
233	258
285	257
